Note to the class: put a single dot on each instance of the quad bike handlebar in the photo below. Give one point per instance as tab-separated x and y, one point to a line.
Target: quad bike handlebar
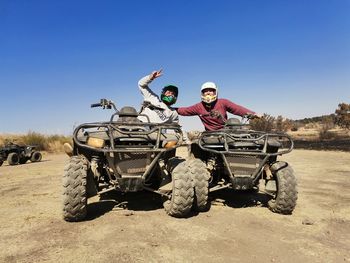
105	104
95	105
109	104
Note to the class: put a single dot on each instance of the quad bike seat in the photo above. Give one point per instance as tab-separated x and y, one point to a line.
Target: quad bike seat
128	114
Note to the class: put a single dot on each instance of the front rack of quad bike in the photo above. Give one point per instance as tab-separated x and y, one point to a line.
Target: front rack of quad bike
126	134
157	137
252	146
245	142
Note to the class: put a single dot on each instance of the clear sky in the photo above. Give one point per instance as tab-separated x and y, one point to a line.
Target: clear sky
289	58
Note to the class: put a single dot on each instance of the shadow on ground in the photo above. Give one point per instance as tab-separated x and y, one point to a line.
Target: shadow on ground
132	201
26	163
239	199
147	201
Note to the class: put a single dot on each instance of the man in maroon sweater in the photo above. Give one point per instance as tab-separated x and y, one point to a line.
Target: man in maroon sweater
211	110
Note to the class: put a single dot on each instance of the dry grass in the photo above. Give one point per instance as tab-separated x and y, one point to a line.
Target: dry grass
313	134
321	139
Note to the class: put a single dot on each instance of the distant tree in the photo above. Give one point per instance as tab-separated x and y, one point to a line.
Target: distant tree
342	117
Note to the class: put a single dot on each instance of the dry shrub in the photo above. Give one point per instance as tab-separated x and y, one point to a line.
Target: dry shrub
266	123
60	138
283	124
324	131
55	147
311	125
8	138
55	143
326	135
34	138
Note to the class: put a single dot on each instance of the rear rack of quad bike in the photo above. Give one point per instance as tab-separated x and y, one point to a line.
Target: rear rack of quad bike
131	132
246	142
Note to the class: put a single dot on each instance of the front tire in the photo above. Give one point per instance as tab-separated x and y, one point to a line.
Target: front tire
75	189
36	157
180	203
286	195
13	159
201	176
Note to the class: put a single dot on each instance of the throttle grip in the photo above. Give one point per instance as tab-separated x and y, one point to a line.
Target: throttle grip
95	105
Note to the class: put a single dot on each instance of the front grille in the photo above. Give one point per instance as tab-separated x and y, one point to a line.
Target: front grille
131	163
242	165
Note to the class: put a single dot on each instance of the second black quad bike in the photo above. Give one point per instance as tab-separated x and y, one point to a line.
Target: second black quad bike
126	155
242	159
19	154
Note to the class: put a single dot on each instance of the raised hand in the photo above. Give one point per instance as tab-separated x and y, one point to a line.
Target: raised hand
155	74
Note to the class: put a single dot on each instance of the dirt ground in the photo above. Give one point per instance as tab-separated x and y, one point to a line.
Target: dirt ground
238	227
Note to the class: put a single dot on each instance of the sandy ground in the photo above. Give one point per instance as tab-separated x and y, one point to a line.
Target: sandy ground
238	227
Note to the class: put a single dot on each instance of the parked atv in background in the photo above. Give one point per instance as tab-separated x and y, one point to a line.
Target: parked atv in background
17	154
127	155
242	159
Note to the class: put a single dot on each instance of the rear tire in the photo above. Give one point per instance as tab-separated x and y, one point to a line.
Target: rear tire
36	157
13	159
1	162
201	176
287	194
180	203
75	189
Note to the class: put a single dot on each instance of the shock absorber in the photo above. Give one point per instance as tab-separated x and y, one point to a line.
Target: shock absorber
211	166
211	163
94	167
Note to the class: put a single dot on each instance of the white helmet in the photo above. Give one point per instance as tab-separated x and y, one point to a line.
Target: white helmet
209	98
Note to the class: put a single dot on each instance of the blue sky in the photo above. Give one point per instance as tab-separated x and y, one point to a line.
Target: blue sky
289	58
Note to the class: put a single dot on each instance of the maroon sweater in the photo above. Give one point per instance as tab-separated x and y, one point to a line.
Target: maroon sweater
210	117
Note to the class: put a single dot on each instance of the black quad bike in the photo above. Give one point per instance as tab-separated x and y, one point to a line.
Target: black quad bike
242	159
19	154
126	155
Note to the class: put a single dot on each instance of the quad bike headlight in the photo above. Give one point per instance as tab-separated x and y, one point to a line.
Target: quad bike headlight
95	142
170	144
